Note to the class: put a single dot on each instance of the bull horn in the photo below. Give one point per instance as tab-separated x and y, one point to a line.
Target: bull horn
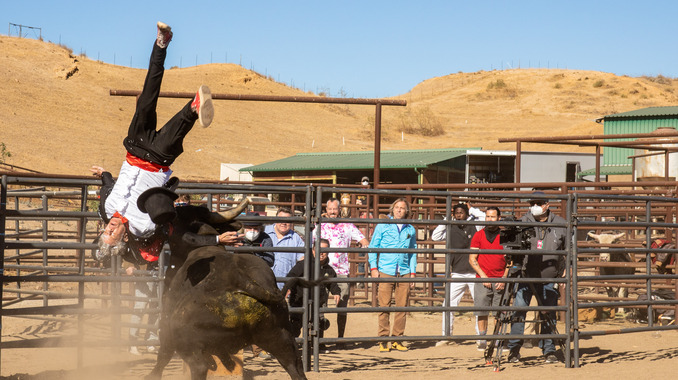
230	214
206	229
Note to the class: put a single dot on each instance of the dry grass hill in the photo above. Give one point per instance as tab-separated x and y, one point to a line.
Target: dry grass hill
57	116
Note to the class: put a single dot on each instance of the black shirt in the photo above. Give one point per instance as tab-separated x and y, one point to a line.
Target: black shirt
296	293
460	238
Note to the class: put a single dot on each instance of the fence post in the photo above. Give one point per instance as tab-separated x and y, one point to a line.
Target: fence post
3	211
448	263
572	266
82	226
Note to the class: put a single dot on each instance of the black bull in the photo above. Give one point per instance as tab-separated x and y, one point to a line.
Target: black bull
218	303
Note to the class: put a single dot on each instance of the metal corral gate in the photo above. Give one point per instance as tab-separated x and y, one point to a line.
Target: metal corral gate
40	216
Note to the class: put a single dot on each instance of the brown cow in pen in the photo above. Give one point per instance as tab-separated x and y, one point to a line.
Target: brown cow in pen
614	257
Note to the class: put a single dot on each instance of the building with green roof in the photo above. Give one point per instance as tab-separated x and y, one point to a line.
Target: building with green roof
616	161
423	166
397	166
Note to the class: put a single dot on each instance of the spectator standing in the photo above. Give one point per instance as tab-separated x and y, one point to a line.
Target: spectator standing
340	235
393	265
539	266
460	267
296	293
488	265
282	235
255	237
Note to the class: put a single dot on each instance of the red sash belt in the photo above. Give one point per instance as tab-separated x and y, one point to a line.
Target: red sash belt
151	252
145	165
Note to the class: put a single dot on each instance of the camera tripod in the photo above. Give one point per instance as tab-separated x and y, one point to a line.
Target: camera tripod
503	320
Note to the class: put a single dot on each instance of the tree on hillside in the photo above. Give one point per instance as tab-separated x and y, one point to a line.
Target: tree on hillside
421	121
4	153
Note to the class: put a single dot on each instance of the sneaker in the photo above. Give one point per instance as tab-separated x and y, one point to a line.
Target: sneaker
134	350
151	349
481	345
384	347
398	346
514	357
264	355
550	358
202	105
164	35
441	343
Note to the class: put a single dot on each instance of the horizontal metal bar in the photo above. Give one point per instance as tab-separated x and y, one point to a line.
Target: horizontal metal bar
590	333
76	278
270	98
437	309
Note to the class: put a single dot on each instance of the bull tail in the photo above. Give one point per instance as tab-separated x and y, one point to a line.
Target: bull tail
298	281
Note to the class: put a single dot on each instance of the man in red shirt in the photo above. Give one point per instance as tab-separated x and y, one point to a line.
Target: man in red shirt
487	265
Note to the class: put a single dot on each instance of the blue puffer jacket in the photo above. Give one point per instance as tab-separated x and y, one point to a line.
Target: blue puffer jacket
389	236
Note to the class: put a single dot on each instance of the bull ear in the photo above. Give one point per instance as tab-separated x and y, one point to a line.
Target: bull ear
230	214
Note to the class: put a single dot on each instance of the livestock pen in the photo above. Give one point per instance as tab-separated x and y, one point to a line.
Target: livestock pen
48	224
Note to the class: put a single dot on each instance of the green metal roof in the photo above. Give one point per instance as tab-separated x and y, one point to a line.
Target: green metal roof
649	112
607	170
390	159
644	120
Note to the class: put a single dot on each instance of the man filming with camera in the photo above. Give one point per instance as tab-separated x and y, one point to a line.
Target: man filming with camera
539	266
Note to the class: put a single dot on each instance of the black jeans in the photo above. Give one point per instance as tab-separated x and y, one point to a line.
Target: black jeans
163	146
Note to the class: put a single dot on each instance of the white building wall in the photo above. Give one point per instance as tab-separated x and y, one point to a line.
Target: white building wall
233	173
551	166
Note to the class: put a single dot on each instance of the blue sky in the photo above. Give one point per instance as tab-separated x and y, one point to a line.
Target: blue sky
365	48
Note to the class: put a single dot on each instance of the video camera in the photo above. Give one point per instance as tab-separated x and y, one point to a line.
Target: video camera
515	237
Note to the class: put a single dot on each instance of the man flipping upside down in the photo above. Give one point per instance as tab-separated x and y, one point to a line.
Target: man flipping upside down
149	155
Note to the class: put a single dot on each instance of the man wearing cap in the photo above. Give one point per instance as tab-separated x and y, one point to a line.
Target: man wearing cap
254	237
547	266
150	152
340	235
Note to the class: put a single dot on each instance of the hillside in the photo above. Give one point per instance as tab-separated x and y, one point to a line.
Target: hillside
57	115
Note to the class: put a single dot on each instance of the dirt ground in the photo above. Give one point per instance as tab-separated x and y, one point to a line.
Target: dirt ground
627	356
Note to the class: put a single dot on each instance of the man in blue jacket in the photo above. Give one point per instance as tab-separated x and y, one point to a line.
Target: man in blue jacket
389	265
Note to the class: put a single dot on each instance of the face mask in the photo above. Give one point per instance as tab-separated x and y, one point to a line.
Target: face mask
251	235
537	210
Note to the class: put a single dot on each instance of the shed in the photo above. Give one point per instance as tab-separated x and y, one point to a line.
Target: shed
644	120
397	166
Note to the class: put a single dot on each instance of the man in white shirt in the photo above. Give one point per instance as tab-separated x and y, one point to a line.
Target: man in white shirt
149	155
